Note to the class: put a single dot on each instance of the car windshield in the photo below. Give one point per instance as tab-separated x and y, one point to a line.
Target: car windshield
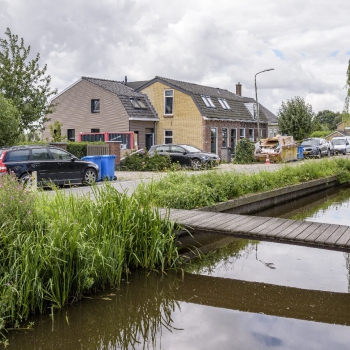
191	149
310	142
338	141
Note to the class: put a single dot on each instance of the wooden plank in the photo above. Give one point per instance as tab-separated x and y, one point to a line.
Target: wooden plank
252	224
332	239
264	225
222	222
266	231
344	239
185	218
298	230
308	231
317	233
232	226
326	234
287	230
210	222
229	224
179	214
275	232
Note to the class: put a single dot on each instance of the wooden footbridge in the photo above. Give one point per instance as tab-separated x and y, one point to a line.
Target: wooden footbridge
306	233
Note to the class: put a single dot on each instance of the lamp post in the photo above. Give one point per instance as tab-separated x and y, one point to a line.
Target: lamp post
257	103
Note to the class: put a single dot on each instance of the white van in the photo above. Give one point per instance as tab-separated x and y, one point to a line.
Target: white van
341	145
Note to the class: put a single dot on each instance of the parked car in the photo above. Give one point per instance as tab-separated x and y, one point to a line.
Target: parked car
186	155
52	164
341	145
316	147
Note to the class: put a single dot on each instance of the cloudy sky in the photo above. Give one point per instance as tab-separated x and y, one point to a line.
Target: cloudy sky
210	42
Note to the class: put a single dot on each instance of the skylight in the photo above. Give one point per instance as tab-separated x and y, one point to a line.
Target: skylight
137	103
224	103
208	102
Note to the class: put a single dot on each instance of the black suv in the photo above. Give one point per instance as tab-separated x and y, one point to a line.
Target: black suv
186	155
52	164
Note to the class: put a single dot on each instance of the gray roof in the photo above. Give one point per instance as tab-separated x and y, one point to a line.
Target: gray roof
238	110
125	93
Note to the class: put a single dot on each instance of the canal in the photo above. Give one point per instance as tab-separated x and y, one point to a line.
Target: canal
243	295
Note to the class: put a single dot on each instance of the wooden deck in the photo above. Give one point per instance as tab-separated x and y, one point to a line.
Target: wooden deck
300	232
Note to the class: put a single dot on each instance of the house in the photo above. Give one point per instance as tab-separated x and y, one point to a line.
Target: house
206	117
343	129
97	105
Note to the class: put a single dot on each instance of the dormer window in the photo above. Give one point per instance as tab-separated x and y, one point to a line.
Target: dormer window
224	103
137	103
208	102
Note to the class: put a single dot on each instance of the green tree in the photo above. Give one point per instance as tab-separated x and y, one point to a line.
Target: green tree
327	120
295	118
56	132
346	110
23	82
9	122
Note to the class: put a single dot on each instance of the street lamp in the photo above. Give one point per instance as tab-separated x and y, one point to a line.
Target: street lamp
257	103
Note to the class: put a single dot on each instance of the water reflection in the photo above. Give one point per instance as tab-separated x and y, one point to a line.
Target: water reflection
194	312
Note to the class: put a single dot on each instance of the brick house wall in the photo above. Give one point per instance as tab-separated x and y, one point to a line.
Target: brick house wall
186	121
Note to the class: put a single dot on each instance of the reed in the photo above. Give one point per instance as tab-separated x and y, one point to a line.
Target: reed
67	246
186	191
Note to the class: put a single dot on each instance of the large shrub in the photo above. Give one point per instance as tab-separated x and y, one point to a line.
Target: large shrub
244	152
142	162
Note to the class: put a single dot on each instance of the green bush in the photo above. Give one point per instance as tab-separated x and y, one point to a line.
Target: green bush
244	152
142	162
320	133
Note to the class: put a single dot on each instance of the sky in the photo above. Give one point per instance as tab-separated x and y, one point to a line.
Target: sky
216	43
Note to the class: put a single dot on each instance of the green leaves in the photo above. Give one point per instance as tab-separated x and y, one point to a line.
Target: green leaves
24	82
295	118
9	122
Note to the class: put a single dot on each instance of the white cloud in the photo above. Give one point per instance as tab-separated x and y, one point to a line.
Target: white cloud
306	42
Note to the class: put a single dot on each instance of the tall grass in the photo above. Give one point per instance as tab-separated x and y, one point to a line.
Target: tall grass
69	245
184	191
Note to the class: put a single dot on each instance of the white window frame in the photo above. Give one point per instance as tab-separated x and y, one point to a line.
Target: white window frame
224	103
240	134
235	144
208	102
222	137
172	104
167	137
251	138
216	139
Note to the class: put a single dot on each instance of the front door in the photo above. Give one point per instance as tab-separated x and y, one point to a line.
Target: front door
149	140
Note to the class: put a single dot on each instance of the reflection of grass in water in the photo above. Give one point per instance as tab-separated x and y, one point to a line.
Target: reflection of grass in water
225	256
342	198
137	316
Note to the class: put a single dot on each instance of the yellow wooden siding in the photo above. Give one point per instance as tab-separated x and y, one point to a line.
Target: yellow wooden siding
186	121
74	111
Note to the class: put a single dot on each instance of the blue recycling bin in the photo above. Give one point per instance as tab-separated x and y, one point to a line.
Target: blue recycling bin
108	167
97	160
300	154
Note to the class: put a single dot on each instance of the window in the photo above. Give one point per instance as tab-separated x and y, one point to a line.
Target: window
233	139
40	154
168	136
168	101
224	137
60	154
213	140
18	155
71	134
137	103
274	132
95	130
95	106
224	103
241	133
251	134
208	102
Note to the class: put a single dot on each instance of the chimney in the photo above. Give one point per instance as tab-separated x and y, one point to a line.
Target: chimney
239	89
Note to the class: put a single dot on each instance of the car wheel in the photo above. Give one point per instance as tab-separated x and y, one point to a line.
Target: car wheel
196	164
90	176
27	180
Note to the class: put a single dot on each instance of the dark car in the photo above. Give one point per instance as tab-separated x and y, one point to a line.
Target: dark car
186	155
52	164
317	147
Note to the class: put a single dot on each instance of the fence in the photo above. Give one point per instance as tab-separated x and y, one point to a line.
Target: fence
97	150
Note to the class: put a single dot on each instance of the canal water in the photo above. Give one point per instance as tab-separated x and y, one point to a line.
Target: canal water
244	295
